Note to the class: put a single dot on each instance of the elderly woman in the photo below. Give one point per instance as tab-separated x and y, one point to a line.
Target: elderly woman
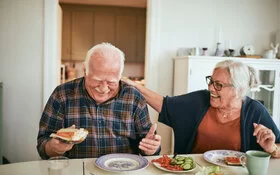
222	117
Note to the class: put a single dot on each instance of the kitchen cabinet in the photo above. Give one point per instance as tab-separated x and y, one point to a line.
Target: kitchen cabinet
85	26
126	36
104	28
140	38
66	36
76	35
81	33
190	72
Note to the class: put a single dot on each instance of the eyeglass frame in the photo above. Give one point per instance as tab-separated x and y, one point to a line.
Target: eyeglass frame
217	84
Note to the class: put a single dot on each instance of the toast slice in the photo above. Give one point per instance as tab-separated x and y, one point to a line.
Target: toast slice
71	134
231	160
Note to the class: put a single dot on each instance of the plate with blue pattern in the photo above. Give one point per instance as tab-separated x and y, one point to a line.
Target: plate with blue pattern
121	162
217	157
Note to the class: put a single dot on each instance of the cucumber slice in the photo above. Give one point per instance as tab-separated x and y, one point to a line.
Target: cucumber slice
187	166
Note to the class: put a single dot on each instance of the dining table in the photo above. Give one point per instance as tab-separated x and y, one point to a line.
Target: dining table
88	166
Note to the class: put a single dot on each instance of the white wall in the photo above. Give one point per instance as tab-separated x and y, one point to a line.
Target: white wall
197	22
188	23
21	70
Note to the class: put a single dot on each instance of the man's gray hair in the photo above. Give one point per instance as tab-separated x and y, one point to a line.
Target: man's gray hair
242	76
105	50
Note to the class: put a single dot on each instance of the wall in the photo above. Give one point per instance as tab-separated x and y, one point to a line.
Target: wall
21	63
187	23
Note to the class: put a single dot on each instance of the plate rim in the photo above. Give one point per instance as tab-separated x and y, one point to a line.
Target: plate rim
122	155
219	164
157	165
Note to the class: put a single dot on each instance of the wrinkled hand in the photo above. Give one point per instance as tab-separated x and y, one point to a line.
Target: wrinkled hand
59	147
129	82
265	137
151	143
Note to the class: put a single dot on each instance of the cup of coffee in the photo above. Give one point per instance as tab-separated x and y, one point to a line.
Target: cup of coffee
58	165
256	162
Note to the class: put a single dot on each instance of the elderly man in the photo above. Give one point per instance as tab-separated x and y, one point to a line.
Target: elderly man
114	113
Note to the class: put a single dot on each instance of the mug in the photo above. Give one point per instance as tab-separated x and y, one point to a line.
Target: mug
256	162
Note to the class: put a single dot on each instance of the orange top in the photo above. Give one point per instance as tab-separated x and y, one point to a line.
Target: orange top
214	134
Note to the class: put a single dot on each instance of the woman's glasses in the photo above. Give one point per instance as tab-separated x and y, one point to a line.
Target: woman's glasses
217	85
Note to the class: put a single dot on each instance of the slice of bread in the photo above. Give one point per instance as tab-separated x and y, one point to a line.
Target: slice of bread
71	134
231	160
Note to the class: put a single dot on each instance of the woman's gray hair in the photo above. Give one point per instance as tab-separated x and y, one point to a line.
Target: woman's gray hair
242	76
105	50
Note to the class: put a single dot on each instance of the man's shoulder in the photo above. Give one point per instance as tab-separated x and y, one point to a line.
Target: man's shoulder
71	86
130	91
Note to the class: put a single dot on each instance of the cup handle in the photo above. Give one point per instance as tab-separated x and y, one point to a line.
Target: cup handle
243	160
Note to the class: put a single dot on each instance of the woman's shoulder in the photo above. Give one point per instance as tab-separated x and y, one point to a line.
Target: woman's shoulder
248	102
195	95
200	97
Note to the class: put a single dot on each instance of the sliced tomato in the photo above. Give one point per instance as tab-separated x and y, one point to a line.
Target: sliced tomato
232	160
65	134
164	162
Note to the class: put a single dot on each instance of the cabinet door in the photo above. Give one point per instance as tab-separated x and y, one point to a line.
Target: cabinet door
82	39
141	38
66	36
104	28
126	36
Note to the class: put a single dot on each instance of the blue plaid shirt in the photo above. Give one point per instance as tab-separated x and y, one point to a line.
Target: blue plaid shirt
115	126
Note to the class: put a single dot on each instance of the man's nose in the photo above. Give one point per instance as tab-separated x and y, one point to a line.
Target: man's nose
103	86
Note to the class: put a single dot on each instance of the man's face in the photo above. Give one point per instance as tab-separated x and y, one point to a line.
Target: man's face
102	81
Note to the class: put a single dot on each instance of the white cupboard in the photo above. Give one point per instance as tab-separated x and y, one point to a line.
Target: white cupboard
190	72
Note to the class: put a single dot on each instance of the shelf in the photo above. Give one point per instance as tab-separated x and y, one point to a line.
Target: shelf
265	87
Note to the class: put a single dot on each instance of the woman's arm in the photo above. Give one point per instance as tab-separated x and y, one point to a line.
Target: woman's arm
153	99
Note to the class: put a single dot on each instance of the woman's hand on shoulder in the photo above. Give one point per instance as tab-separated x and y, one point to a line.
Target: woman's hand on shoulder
128	81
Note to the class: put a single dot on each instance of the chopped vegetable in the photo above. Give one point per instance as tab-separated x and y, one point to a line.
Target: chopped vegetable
179	163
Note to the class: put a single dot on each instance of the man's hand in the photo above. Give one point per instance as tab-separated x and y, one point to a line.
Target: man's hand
151	143
55	147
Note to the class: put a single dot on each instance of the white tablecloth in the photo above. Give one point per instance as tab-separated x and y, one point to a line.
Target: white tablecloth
76	168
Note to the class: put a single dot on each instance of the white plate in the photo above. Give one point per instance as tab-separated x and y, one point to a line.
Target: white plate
121	162
156	164
217	157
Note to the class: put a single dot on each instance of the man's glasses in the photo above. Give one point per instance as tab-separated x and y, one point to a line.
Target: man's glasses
217	85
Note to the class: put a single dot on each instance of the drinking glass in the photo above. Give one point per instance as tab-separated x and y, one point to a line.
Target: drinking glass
58	165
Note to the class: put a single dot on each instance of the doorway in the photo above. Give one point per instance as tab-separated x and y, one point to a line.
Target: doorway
86	25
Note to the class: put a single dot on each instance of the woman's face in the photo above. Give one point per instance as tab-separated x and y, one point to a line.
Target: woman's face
224	97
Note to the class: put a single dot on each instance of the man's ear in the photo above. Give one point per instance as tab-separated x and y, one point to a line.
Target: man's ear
84	69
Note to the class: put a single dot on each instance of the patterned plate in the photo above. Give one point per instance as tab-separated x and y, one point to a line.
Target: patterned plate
121	162
218	156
